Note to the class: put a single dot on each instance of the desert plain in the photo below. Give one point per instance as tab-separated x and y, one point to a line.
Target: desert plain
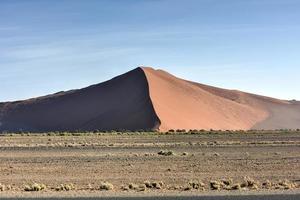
149	163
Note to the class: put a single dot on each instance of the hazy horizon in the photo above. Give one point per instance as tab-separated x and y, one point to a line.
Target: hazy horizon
50	46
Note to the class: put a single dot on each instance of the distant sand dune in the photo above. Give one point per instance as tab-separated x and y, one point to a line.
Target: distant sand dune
144	99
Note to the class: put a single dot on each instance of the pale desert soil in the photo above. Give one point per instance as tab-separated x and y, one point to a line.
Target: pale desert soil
86	161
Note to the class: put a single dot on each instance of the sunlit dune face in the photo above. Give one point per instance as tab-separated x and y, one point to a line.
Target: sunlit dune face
181	104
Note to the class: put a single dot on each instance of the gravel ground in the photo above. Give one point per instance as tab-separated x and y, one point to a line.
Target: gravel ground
86	161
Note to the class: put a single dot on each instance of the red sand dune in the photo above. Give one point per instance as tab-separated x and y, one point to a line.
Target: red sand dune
120	103
145	99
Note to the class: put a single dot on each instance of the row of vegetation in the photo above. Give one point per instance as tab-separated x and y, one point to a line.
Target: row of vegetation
223	184
172	131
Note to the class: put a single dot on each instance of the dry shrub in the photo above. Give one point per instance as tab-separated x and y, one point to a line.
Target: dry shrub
236	186
187	188
227	182
2	187
250	183
267	184
285	184
166	153
197	185
157	184
65	187
124	188
216	185
148	184
141	188
137	187
154	185
35	187
133	186
106	186
90	187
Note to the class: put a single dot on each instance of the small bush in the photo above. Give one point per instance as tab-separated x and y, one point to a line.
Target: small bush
124	188
267	184
250	183
35	187
166	153
65	187
216	185
197	185
106	186
148	184
187	188
236	186
2	187
133	186
141	188
137	187
227	182
154	184
285	184
157	185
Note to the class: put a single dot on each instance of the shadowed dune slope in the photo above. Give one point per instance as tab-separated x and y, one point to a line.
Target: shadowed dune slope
121	103
182	104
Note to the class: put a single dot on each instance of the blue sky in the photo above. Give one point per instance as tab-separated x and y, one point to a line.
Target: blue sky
54	45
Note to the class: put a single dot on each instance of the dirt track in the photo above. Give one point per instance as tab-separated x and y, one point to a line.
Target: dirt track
123	159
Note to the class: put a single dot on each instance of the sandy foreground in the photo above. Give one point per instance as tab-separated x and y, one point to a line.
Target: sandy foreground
128	161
